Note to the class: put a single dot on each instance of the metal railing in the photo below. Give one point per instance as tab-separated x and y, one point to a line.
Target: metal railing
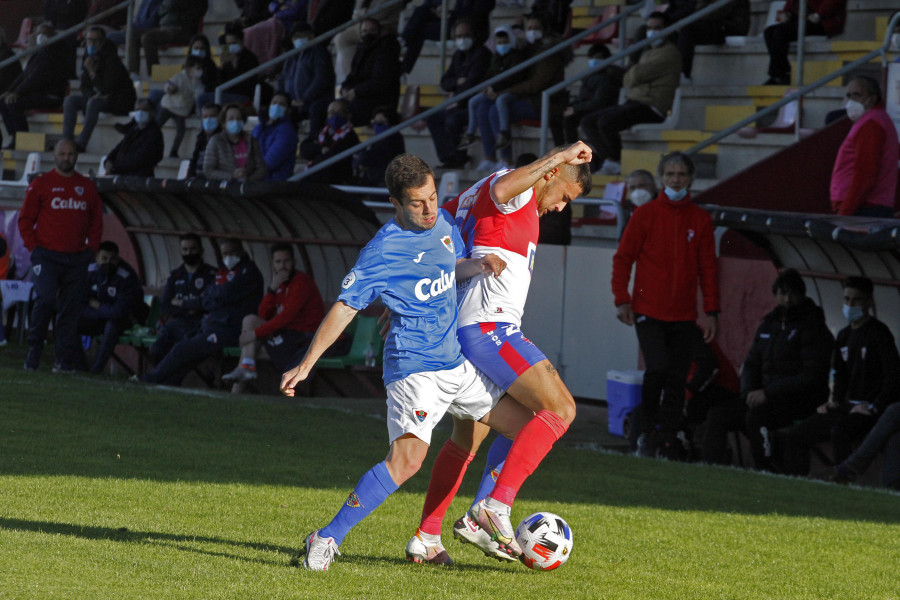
127	4
881	51
636	47
473	90
294	51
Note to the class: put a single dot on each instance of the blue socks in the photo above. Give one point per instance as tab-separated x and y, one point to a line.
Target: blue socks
372	489
495	459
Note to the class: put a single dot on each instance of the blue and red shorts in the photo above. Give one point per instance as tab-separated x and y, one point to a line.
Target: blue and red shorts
499	350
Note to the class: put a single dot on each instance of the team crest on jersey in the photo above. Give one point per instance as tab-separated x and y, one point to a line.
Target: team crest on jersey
448	243
79	190
37	270
353	501
230	275
348	281
111	291
212	339
420	415
198	283
690	234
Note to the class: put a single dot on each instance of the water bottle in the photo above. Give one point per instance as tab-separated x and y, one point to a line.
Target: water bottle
370	355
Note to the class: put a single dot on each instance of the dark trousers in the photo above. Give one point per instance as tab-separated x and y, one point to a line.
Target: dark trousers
884	435
695	34
173	331
762	425
667	347
722	412
110	329
188	353
840	426
422	25
60	288
316	111
778	41
14	113
602	128
446	128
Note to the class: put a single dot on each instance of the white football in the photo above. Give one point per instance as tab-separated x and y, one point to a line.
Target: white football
546	541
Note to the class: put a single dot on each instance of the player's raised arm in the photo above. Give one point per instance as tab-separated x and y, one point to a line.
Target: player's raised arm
518	181
470	267
337	319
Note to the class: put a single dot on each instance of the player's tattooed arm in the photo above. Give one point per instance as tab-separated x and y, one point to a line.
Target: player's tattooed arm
510	185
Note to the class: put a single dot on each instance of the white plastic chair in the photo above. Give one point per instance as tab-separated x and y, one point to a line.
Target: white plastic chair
184	168
32	167
101	168
669	122
449	187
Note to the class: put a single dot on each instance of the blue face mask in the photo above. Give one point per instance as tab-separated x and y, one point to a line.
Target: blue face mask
276	111
210	124
141	117
380	127
234	127
300	42
503	49
853	313
92	50
336	121
593	62
675	196
198	52
234	48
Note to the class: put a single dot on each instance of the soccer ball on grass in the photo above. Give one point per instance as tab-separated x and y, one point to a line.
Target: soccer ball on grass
546	541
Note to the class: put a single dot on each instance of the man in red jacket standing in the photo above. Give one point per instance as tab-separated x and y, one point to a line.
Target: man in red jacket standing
286	320
61	224
671	241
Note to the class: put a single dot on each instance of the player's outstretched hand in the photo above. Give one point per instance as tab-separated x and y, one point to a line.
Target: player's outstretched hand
291	378
578	153
492	263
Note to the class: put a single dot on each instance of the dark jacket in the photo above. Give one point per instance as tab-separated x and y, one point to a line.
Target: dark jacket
10	72
111	80
543	74
278	142
472	65
330	143
500	64
189	288
237	293
833	13
599	90
47	72
325	15
866	366
182	14
371	163
732	19
119	293
309	75
117	20
147	16
246	61
790	357
65	13
478	12
139	151
196	168
375	74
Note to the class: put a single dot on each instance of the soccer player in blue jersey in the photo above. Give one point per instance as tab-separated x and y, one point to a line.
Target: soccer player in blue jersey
412	263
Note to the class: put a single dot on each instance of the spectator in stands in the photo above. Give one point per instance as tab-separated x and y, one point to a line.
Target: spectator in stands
670	243
105	87
468	67
370	165
335	137
179	20
264	39
308	78
61	223
823	17
145	19
209	126
285	322
8	73
374	78
63	14
641	188
864	178
556	15
866	369
522	98
425	24
236	293
178	102
42	84
884	436
732	19
233	154
141	148
785	374
679	9
277	138
110	23
506	56
325	15
115	295
201	48
650	86
181	306
346	42
599	90
236	60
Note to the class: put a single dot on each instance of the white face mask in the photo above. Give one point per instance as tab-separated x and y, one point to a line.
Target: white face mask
676	196
464	44
41	39
640	197
855	110
230	261
533	35
657	41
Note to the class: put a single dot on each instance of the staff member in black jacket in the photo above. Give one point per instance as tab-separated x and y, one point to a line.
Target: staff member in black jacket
374	78
142	147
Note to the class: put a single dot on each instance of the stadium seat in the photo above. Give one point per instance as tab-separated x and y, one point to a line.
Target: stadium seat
670	121
448	188
24	33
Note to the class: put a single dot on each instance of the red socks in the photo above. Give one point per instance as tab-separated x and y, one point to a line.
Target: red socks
449	467
528	450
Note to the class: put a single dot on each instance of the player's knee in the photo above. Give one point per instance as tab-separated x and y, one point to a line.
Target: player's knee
565	409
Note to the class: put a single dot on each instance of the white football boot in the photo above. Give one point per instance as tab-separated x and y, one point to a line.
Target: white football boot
421	551
320	552
468	531
496	522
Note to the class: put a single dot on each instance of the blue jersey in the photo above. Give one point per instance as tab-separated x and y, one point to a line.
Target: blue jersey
414	272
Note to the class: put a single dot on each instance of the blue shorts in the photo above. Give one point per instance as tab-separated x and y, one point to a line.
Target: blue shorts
499	350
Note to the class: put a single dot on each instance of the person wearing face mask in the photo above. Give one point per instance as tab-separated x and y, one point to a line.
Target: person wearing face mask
201	48
866	369
233	154
141	149
236	60
308	78
334	138
277	138
599	90
209	126
114	298
468	67
264	39
671	245
370	165
864	178
347	41
105	87
641	188
237	291
650	85
42	84
181	304
178	102
374	78
178	22
425	24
